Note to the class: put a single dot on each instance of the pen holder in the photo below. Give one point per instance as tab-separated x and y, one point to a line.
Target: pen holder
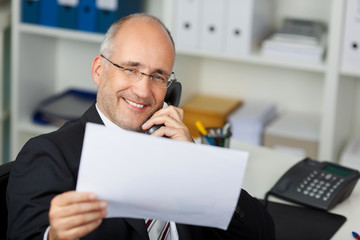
216	137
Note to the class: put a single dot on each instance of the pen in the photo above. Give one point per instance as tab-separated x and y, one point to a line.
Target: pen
203	132
356	236
224	131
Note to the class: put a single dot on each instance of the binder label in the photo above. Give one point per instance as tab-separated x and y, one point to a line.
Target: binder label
110	5
70	3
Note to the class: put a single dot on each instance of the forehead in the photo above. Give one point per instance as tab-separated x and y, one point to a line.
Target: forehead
144	40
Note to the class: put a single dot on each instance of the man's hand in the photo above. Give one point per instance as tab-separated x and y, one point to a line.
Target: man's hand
73	215
174	127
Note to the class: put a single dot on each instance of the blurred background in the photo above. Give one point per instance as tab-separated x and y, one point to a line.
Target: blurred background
284	73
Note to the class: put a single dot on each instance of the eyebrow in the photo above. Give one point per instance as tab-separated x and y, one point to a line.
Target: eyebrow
137	64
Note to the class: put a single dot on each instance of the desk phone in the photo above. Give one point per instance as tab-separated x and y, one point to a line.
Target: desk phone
316	184
172	97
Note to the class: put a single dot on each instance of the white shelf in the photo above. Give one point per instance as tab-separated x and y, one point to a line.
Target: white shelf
256	58
46	60
61	33
350	72
28	126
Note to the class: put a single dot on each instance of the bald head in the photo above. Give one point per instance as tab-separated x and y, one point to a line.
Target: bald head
107	45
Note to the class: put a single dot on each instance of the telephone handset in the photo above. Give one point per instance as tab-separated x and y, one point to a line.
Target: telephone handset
172	97
316	184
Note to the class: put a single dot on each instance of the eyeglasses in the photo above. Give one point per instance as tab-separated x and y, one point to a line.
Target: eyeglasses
157	79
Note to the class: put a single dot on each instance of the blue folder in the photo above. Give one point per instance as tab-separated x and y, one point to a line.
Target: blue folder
129	7
30	11
48	13
106	17
86	18
67	16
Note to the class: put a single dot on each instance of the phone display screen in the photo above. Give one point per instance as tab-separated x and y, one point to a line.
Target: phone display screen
337	170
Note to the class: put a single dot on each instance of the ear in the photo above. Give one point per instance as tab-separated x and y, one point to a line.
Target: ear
97	69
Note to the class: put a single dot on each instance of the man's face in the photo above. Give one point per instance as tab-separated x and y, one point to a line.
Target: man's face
146	47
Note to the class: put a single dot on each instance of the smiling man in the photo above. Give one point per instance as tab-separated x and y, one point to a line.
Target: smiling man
132	72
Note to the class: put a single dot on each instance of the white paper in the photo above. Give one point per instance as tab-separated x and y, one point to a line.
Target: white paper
143	176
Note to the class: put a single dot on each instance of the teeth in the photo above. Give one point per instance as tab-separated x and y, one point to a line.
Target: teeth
134	104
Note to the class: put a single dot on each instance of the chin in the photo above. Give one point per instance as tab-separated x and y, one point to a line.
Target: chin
131	126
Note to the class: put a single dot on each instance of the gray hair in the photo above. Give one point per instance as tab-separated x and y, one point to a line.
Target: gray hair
107	45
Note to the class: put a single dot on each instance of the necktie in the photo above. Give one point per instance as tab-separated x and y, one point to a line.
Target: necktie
157	229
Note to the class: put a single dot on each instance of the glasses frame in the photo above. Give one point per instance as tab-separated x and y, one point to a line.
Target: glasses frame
140	74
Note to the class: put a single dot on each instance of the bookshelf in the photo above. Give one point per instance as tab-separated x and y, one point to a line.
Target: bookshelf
63	59
4	81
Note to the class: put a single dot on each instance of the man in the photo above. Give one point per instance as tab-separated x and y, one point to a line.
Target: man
132	74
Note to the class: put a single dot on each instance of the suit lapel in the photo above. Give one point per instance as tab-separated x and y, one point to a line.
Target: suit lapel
91	115
139	226
183	232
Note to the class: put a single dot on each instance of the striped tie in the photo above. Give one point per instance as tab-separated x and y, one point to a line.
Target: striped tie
157	229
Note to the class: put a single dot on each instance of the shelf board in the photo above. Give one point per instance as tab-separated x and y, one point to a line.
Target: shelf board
350	71
253	58
256	58
61	33
29	126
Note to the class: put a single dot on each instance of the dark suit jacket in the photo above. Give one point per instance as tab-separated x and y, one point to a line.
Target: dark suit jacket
48	165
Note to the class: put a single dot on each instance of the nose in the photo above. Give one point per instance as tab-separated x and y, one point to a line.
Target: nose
142	87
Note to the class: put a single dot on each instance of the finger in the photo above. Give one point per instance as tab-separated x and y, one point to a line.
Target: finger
171	111
76	233
162	119
76	208
70	197
179	133
74	221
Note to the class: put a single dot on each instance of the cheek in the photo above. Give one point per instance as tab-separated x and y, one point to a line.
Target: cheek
113	83
159	95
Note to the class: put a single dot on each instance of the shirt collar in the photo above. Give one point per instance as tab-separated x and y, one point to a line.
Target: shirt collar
105	120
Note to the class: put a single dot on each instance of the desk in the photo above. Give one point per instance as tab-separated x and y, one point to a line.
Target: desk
265	166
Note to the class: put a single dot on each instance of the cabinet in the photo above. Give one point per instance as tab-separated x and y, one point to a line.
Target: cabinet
4	80
49	60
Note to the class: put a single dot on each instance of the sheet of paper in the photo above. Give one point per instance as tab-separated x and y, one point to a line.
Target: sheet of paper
143	176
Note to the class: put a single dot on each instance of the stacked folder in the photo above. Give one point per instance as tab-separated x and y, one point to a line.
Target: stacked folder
86	15
248	121
303	40
295	133
62	107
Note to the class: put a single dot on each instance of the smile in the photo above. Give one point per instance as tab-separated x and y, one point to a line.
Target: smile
134	104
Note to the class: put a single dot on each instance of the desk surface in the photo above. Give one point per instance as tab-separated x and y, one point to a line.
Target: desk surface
265	167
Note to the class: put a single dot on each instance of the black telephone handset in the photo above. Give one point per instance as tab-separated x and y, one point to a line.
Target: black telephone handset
316	184
172	97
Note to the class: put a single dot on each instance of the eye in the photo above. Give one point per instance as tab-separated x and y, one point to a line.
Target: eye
158	78
130	70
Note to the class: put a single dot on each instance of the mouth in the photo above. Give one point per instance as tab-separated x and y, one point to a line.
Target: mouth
134	104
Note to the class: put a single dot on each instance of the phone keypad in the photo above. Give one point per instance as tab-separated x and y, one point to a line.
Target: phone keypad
319	185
